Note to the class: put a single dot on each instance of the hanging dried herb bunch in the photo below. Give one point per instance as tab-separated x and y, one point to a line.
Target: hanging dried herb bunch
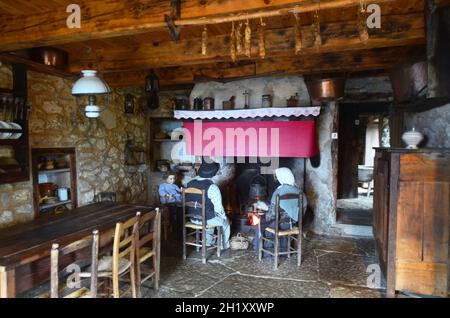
239	48
316	31
361	24
298	34
248	39
205	41
262	40
233	42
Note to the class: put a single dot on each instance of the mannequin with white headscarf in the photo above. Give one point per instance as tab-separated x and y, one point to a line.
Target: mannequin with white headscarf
289	208
287	185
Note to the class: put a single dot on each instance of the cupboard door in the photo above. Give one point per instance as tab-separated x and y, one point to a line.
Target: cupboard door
422	237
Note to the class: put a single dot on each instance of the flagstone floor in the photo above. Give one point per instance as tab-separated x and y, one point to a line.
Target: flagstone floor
331	267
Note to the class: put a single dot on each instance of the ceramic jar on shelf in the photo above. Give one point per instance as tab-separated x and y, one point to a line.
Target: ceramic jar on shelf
412	138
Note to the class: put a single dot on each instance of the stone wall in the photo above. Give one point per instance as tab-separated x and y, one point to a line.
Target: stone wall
56	121
320	181
280	88
434	124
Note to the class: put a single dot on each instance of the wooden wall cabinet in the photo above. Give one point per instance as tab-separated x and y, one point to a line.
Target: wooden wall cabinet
411	219
63	173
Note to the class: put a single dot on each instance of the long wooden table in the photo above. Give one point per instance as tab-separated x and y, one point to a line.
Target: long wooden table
25	248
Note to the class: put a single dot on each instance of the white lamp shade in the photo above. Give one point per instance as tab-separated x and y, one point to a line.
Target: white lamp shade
92	111
89	84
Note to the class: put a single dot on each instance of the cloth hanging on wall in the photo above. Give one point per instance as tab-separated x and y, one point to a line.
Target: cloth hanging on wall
294	139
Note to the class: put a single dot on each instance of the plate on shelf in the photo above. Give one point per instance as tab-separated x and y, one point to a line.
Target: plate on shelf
18	127
5	125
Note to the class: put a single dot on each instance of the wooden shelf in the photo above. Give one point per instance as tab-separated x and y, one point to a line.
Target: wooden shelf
37	67
13	142
52	205
52	171
166	140
6	90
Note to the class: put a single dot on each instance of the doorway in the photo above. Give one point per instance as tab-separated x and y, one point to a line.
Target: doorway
361	128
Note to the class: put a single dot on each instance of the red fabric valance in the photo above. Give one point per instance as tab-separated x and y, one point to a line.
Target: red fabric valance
295	139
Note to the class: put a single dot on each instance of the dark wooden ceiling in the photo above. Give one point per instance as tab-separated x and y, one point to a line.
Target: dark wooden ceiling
130	37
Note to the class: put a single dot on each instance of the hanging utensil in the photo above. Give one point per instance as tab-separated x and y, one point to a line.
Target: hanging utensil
205	41
262	40
298	34
316	31
239	38
233	40
248	39
361	23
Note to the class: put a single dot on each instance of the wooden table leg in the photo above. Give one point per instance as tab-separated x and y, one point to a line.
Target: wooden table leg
8	284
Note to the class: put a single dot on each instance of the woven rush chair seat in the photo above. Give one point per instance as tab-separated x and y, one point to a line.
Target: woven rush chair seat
105	265
293	231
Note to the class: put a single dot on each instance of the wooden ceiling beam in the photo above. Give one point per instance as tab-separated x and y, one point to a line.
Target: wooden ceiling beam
342	62
109	18
396	30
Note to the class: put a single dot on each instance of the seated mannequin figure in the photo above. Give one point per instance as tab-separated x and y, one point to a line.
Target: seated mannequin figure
289	208
169	192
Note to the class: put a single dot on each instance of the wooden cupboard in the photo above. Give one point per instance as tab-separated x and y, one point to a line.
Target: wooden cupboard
411	219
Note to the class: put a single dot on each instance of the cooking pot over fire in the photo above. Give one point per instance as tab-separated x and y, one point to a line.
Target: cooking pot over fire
258	187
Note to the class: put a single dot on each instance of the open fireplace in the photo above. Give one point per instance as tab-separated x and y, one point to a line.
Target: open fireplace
248	186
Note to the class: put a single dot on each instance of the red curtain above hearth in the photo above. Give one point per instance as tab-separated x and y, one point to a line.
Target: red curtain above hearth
296	139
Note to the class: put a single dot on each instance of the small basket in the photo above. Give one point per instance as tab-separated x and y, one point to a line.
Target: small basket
239	242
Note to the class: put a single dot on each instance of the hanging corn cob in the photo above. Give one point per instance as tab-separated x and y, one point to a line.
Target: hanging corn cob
205	41
316	31
248	39
298	34
233	38
361	24
262	40
239	48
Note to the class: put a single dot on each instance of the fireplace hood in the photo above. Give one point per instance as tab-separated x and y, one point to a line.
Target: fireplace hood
426	84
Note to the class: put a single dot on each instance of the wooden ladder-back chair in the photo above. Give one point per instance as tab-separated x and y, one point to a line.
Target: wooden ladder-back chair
294	233
148	246
122	260
198	229
57	252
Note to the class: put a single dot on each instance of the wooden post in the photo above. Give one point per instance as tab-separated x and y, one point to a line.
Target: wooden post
300	230
54	271
157	242
94	264
184	223
277	224
219	240
204	220
7	283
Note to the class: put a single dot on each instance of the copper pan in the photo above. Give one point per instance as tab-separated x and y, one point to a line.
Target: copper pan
326	89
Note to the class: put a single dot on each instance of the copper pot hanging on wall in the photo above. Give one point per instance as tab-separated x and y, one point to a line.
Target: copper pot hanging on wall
326	89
